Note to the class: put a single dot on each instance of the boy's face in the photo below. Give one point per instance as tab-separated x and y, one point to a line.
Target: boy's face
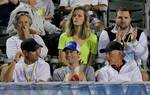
72	56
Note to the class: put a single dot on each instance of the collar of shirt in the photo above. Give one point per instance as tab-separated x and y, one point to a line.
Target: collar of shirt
114	30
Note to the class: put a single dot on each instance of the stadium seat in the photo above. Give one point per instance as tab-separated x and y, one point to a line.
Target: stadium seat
54	63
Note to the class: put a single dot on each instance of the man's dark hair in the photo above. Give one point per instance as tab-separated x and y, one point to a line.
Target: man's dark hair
124	9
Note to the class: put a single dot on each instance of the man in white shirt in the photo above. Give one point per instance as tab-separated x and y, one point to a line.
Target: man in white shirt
118	69
30	67
133	38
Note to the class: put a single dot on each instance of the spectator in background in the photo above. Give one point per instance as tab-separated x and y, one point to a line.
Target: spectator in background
75	71
93	7
22	25
99	5
133	38
41	26
49	32
118	70
45	8
78	30
99	9
67	5
90	5
30	68
6	7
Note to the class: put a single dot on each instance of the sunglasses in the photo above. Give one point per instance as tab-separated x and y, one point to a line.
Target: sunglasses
22	12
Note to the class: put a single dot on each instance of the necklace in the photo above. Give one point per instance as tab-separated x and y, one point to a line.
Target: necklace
27	76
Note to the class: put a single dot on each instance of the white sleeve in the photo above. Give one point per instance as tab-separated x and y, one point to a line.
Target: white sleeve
51	7
10	26
63	3
101	75
136	76
105	2
103	41
15	75
50	28
141	47
96	2
44	49
44	72
12	47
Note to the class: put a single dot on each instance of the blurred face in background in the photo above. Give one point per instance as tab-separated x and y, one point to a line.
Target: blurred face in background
32	2
23	25
23	22
123	19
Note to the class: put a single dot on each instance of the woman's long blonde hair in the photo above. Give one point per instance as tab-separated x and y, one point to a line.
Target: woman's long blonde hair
85	27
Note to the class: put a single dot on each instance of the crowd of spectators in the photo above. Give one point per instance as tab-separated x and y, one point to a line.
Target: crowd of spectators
80	36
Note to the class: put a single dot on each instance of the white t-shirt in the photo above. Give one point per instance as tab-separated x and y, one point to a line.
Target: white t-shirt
40	70
13	46
129	72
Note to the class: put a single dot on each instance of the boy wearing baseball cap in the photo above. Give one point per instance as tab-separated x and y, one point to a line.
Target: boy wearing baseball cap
75	71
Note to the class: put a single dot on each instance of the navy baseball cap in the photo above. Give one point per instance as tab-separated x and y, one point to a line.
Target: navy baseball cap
113	45
72	45
30	45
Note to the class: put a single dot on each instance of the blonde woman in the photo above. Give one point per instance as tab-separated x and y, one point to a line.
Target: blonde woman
78	30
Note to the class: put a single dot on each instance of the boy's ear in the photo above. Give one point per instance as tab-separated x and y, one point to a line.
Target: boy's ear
79	53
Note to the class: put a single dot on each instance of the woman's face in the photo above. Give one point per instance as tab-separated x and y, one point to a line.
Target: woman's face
78	17
23	25
23	22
